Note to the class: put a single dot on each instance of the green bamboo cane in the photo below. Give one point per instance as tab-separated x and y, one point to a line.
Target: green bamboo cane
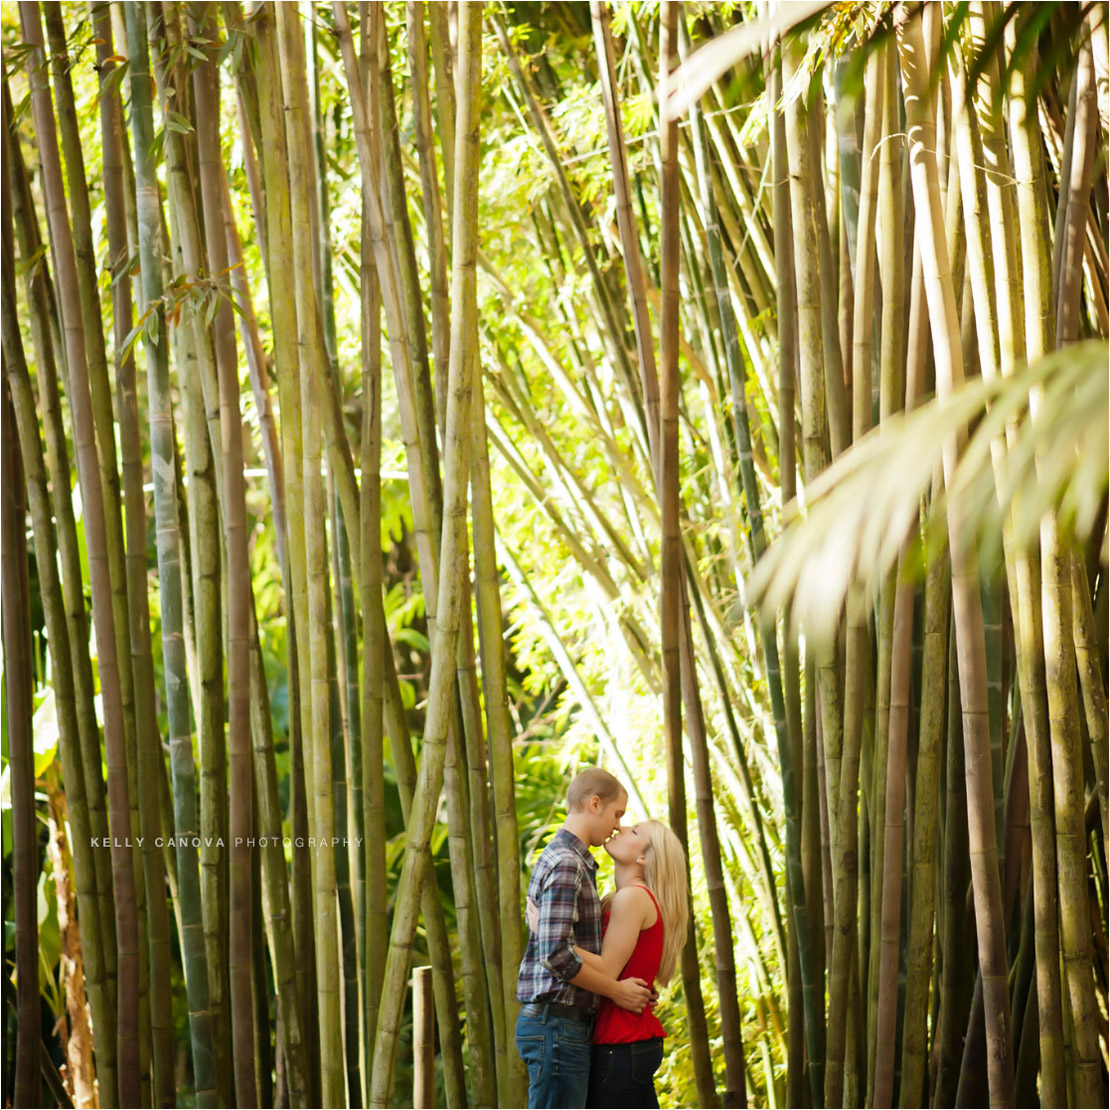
957	957
601	291
485	867
805	883
192	344
476	989
80	222
816	458
84	866
346	735
19	703
313	374
77	189
126	908
264	1051
859	651
348	953
203	527
892	343
472	909
430	195
1056	561
275	174
399	230
234	516
367	128
1087	654
150	767
462	358
966	603
895	629
439	947
377	656
1023	572
73	699
478	829
989	315
284	324
169	568
671	558
444	67
275	888
919	943
492	649
374	646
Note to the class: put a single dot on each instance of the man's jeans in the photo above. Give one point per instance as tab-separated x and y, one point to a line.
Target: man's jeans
556	1051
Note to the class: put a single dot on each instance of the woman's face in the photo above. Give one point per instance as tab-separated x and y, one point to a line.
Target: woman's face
628	845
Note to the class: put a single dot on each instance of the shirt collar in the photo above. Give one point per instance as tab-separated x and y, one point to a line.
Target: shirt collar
565	836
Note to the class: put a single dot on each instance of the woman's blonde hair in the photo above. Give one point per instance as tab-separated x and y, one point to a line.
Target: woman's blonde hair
665	874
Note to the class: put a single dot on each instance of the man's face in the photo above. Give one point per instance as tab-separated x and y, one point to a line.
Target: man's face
607	817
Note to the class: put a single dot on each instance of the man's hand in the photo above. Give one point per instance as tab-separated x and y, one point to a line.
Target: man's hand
632	994
532	916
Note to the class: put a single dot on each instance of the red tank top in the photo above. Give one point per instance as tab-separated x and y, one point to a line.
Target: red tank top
614	1025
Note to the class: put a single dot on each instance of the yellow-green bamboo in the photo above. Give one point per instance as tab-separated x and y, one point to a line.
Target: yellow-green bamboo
78	738
966	600
313	371
149	763
234	518
119	808
463	357
19	703
169	563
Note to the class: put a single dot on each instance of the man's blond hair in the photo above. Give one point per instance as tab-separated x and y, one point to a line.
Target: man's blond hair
592	782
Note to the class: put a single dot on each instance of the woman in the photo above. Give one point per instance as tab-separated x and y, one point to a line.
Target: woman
644	925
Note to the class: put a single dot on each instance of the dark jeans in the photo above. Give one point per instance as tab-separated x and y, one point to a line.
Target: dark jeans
556	1051
623	1075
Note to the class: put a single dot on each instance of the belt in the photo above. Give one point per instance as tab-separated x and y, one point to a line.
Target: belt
544	1010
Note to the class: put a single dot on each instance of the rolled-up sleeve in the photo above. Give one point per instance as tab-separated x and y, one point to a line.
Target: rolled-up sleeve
555	936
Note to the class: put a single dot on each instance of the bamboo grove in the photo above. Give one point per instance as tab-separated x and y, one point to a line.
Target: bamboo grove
405	403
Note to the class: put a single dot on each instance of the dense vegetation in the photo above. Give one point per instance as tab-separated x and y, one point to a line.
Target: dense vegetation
405	404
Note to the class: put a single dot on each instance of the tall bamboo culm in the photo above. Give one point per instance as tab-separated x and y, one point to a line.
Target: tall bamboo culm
119	808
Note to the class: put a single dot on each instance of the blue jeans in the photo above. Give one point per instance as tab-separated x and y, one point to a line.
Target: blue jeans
556	1051
623	1075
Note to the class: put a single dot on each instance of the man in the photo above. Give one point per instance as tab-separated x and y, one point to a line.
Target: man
559	992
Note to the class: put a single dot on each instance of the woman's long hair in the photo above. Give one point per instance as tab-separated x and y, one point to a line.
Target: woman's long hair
665	874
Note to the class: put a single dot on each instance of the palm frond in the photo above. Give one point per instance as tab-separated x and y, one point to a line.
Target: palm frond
858	514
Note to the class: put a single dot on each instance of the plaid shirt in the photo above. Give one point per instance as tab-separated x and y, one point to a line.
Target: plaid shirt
564	886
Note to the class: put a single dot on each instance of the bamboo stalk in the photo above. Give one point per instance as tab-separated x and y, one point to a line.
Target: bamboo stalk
462	359
313	373
19	700
476	935
578	226
1057	559
101	393
169	568
283	315
399	230
502	774
966	601
240	801
58	632
126	908
374	647
149	757
198	374
671	595
919	941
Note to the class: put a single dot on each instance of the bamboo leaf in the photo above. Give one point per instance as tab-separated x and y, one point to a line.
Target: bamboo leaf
690	82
